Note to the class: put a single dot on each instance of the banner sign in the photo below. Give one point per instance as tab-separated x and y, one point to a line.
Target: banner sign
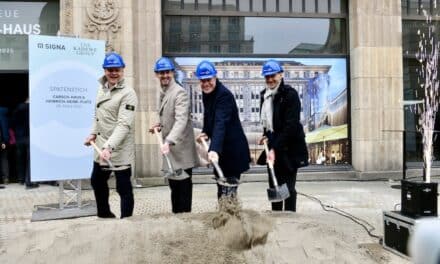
18	19
63	74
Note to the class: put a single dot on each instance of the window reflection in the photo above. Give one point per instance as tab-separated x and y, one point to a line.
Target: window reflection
335	6
217	4
271	6
231	5
256	35
310	7
297	6
245	5
257	5
322	6
284	6
39	18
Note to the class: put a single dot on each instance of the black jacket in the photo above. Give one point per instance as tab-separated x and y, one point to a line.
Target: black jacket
288	138
21	123
4	125
222	125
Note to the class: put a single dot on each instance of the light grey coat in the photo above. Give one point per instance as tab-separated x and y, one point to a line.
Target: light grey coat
113	123
174	114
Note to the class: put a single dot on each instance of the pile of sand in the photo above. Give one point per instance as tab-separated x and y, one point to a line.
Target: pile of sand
163	238
228	235
240	229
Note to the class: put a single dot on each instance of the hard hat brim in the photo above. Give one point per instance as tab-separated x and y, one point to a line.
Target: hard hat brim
206	77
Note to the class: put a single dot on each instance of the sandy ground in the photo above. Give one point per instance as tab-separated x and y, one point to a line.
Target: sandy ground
249	234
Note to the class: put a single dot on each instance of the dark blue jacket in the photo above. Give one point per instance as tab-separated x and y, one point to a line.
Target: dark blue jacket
222	125
288	138
4	125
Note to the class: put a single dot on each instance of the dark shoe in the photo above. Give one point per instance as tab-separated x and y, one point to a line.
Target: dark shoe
107	215
32	186
2	187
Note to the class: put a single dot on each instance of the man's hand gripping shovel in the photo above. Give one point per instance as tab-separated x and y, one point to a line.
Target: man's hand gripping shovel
278	193
99	152
221	178
171	174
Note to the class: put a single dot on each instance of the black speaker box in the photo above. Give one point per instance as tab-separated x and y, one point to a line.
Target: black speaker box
419	198
396	232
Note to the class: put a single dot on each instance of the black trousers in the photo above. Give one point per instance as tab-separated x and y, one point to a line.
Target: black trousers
23	162
4	165
181	194
283	175
227	191
123	187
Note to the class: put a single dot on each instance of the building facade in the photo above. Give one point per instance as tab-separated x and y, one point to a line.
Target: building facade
360	124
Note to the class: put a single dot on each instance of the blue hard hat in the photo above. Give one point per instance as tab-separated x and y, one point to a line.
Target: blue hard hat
205	70
113	60
163	64
271	67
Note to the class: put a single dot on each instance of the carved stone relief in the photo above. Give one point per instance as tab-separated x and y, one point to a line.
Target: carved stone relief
66	27
103	22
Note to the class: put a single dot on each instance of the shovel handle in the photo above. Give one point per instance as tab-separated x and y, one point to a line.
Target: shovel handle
214	163
266	149
270	163
100	152
159	138
158	135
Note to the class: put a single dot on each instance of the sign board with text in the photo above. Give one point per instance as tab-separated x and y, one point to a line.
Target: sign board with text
63	74
18	20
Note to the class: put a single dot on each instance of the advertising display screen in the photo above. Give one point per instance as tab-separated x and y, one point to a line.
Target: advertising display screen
320	82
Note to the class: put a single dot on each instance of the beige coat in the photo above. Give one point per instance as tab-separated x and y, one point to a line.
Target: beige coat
174	113
113	123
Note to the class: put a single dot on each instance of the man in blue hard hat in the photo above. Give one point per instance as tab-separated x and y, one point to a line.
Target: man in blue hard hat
221	125
113	133
177	134
280	117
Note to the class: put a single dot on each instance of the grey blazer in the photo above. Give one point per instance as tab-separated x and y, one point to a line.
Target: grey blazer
174	114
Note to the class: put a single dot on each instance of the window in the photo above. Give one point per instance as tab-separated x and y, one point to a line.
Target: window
413	20
255	35
261	6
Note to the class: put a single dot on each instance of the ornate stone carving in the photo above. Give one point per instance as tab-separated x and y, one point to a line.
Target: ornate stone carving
66	26
103	21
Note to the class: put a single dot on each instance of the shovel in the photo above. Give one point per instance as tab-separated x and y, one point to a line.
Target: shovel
221	178
278	193
171	174
99	152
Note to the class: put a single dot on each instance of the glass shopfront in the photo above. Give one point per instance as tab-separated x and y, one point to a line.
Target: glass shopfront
18	19
414	21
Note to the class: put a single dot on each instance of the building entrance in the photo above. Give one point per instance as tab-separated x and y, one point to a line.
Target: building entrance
14	92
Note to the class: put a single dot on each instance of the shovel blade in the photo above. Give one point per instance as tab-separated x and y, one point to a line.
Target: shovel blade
278	194
178	175
224	182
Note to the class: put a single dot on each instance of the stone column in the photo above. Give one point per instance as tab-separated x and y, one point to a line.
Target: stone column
376	87
147	33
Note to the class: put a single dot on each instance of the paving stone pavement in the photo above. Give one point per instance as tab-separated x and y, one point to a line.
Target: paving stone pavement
365	198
